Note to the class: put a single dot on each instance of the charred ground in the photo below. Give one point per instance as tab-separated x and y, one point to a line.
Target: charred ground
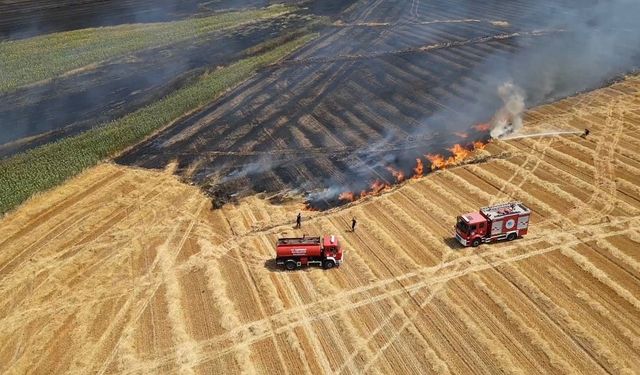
27	18
73	103
388	83
50	110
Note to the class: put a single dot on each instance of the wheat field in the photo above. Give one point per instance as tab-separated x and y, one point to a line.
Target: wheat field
124	270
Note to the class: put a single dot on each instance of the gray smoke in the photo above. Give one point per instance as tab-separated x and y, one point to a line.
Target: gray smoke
594	42
508	119
564	48
586	45
264	163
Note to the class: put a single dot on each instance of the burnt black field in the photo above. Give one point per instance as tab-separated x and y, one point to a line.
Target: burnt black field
385	82
23	19
48	111
27	18
74	103
364	97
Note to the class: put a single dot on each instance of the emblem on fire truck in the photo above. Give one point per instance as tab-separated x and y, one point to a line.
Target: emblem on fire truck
510	224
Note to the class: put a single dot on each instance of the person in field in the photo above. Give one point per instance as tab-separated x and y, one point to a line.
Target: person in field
298	221
586	133
353	224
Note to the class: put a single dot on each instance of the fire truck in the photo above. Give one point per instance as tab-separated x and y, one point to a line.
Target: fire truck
506	221
306	251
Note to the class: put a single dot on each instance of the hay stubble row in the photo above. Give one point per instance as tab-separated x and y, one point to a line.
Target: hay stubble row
127	270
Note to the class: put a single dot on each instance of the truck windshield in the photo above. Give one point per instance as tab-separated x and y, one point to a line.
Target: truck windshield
462	225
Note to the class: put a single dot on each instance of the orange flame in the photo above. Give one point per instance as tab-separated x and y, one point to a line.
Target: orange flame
376	188
347	196
458	155
484	127
437	161
478	145
419	169
399	175
309	207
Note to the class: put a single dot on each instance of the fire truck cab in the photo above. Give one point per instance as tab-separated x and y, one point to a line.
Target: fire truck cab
506	221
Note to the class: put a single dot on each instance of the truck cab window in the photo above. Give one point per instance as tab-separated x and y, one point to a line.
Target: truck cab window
462	225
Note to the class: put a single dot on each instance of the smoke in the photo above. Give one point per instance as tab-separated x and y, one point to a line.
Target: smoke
557	49
326	194
264	163
565	48
589	44
508	119
602	39
550	50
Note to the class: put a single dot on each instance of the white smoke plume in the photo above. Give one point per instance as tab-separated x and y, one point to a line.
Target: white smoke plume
508	119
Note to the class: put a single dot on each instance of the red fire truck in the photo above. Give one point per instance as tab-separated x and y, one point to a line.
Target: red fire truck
302	251
503	221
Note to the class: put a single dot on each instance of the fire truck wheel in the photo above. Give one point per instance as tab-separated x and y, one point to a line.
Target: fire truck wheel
328	264
511	237
290	265
476	242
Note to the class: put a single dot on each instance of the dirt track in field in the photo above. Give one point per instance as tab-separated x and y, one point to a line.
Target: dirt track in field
130	271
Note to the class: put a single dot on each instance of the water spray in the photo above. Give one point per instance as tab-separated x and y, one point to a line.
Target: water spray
544	134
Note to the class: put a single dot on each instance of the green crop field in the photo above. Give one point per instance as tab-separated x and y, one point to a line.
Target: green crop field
42	168
31	60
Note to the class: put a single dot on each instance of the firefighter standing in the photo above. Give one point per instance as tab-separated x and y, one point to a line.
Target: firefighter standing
298	221
353	224
586	133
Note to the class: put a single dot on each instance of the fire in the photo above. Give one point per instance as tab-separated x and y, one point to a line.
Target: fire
378	186
484	127
437	161
347	196
419	169
309	207
478	145
458	155
399	175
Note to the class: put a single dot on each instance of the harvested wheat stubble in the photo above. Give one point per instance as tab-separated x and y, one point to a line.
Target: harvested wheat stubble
126	270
